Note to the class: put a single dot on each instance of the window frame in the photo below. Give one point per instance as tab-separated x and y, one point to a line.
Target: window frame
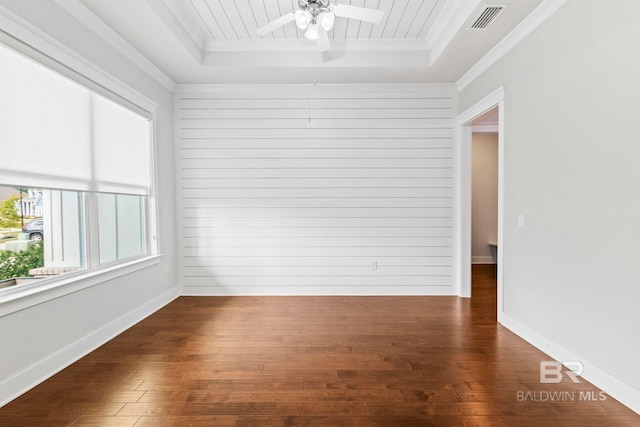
95	232
59	59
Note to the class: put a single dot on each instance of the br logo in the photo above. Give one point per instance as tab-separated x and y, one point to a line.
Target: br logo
551	372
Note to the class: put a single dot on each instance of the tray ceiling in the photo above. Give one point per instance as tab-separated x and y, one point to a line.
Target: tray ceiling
205	41
238	20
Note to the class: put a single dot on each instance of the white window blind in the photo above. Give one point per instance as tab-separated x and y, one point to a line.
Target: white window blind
57	132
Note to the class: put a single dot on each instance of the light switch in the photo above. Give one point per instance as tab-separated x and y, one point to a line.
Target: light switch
520	220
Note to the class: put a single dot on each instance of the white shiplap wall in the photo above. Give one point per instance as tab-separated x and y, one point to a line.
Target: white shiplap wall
326	190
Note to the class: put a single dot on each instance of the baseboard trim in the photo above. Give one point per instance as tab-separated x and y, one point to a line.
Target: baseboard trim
610	384
28	378
248	290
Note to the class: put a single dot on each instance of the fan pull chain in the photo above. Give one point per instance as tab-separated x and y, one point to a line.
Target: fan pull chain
309	102
309	99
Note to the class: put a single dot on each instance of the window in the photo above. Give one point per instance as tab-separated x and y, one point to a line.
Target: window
74	175
121	226
41	234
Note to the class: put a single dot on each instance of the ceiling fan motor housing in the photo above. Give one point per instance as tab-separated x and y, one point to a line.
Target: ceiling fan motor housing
313	13
314	6
316	18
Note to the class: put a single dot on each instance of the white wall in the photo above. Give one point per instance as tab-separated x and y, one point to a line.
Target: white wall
40	336
484	219
571	167
299	189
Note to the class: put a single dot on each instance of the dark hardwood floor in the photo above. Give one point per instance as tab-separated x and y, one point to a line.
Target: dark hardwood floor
316	361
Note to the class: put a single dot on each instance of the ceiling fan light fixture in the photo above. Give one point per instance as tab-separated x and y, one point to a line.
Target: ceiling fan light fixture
326	20
317	17
312	31
303	19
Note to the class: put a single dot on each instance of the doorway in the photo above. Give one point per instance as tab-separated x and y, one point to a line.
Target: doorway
484	189
484	108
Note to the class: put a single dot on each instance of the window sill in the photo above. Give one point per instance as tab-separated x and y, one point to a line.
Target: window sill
13	300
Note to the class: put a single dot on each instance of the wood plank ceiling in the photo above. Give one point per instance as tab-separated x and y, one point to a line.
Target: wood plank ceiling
238	20
198	41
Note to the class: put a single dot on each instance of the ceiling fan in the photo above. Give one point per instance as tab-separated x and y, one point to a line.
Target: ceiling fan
317	17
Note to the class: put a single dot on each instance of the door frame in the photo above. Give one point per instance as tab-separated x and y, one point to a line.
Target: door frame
462	226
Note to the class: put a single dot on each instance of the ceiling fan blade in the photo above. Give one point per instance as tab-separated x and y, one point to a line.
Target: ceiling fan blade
360	13
284	19
323	41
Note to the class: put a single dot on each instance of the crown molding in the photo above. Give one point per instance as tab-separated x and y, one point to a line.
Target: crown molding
452	18
336	58
304	45
95	24
536	18
188	32
301	89
303	53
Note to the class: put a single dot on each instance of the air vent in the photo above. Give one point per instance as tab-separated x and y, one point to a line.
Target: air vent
487	16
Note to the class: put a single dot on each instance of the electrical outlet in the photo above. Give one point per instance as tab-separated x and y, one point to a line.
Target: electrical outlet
374	265
520	220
